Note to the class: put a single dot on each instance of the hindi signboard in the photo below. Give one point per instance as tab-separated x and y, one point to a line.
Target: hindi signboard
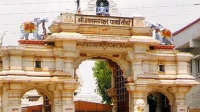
103	20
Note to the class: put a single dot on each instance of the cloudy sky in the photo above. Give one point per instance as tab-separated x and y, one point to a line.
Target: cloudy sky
173	14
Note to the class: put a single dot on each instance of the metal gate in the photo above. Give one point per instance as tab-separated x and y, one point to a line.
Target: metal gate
122	93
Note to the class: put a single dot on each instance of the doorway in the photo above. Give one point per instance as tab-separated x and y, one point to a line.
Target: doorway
158	102
35	101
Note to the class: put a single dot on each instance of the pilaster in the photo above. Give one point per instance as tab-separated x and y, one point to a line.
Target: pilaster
11	101
137	92
57	97
179	98
112	93
68	95
182	63
68	66
69	53
59	65
6	63
16	62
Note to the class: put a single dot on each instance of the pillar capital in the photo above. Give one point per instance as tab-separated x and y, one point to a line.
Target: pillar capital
71	85
112	92
179	89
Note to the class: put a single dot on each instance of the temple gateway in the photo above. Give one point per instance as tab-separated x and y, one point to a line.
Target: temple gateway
147	74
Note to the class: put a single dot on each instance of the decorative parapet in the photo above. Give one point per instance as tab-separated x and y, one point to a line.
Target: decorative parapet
71	22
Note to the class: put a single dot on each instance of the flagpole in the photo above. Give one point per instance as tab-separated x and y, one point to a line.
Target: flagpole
2	42
2	37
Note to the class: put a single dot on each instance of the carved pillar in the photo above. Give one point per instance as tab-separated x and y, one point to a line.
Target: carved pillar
16	62
59	64
6	63
57	97
68	95
69	68
11	101
69	53
136	68
136	56
179	98
59	61
1	96
182	63
137	92
112	93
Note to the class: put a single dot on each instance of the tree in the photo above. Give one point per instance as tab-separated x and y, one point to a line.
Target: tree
102	75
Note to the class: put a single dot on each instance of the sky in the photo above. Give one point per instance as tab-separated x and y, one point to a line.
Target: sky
172	14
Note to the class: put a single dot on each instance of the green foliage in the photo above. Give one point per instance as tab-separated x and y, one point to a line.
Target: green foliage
102	75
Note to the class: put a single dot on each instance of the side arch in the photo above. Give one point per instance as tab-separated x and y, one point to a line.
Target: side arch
39	90
167	94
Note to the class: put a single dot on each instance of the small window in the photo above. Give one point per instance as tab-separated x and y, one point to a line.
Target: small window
161	67
37	64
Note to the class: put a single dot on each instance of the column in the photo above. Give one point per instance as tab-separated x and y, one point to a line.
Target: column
137	92
112	93
69	68
1	96
57	103
69	53
6	63
11	101
15	62
136	68
59	64
68	96
179	98
57	97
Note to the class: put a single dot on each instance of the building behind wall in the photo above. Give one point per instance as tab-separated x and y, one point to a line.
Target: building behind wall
187	39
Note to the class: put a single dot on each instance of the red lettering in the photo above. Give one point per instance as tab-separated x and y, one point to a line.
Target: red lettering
68	109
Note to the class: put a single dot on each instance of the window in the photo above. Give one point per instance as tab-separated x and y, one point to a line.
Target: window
161	67
37	64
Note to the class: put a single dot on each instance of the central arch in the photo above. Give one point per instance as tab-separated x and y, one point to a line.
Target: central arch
124	65
163	101
118	80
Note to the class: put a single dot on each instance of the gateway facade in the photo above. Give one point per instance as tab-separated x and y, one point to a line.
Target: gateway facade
142	68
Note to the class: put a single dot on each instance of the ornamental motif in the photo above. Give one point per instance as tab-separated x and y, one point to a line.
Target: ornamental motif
104	45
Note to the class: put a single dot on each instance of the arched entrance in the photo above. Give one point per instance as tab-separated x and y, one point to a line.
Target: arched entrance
158	102
120	94
35	101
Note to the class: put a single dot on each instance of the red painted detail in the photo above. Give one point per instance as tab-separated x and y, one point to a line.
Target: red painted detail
164	47
37	42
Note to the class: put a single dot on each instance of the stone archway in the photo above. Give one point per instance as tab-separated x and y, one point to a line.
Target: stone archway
158	102
120	94
46	96
120	60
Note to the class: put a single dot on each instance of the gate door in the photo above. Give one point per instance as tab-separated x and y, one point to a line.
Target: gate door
122	93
